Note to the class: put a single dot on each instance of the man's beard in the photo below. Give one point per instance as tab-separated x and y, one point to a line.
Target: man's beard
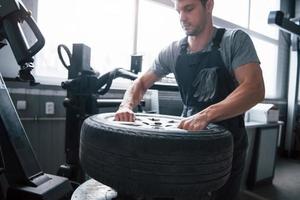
193	31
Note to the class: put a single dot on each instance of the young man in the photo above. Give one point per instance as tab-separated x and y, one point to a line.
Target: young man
219	77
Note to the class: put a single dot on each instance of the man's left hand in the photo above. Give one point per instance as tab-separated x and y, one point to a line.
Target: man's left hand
194	122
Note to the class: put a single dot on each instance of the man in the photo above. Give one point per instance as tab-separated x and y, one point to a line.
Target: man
219	77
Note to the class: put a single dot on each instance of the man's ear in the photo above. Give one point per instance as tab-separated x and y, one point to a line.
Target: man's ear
210	5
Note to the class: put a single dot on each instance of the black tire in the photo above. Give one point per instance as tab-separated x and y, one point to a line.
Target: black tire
155	160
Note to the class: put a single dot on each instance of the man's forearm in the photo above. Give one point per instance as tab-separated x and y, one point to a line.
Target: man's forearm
235	104
133	95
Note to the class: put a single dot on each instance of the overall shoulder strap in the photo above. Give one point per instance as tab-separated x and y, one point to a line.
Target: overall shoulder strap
183	43
218	38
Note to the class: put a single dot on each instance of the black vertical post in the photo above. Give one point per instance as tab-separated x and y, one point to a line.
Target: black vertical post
80	103
136	67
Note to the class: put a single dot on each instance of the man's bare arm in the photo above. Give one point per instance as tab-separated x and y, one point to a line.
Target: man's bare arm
249	92
133	96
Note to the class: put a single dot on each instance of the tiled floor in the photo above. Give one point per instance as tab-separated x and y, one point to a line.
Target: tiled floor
286	183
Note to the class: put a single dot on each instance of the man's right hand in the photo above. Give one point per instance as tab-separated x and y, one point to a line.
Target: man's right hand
133	96
124	114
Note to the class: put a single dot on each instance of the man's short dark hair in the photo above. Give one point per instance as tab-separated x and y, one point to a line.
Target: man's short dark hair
203	2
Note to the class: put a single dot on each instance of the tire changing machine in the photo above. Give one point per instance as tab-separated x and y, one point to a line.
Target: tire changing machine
84	86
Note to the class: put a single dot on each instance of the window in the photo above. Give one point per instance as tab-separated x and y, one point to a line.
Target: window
227	10
105	26
108	27
267	53
259	17
158	26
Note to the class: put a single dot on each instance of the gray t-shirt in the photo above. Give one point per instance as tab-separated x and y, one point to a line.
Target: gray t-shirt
236	49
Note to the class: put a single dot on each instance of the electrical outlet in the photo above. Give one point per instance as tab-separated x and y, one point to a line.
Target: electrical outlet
21	105
49	108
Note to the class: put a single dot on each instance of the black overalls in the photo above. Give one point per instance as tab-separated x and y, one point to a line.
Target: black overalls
203	80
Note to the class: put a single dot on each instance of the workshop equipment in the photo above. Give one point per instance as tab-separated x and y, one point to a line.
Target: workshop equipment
84	86
21	175
292	26
12	14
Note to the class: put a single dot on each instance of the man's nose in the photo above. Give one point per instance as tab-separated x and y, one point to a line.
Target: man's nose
182	16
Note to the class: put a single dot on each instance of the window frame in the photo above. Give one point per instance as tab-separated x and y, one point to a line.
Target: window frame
217	22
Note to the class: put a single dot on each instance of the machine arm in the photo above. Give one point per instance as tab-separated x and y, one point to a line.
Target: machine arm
277	18
12	14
